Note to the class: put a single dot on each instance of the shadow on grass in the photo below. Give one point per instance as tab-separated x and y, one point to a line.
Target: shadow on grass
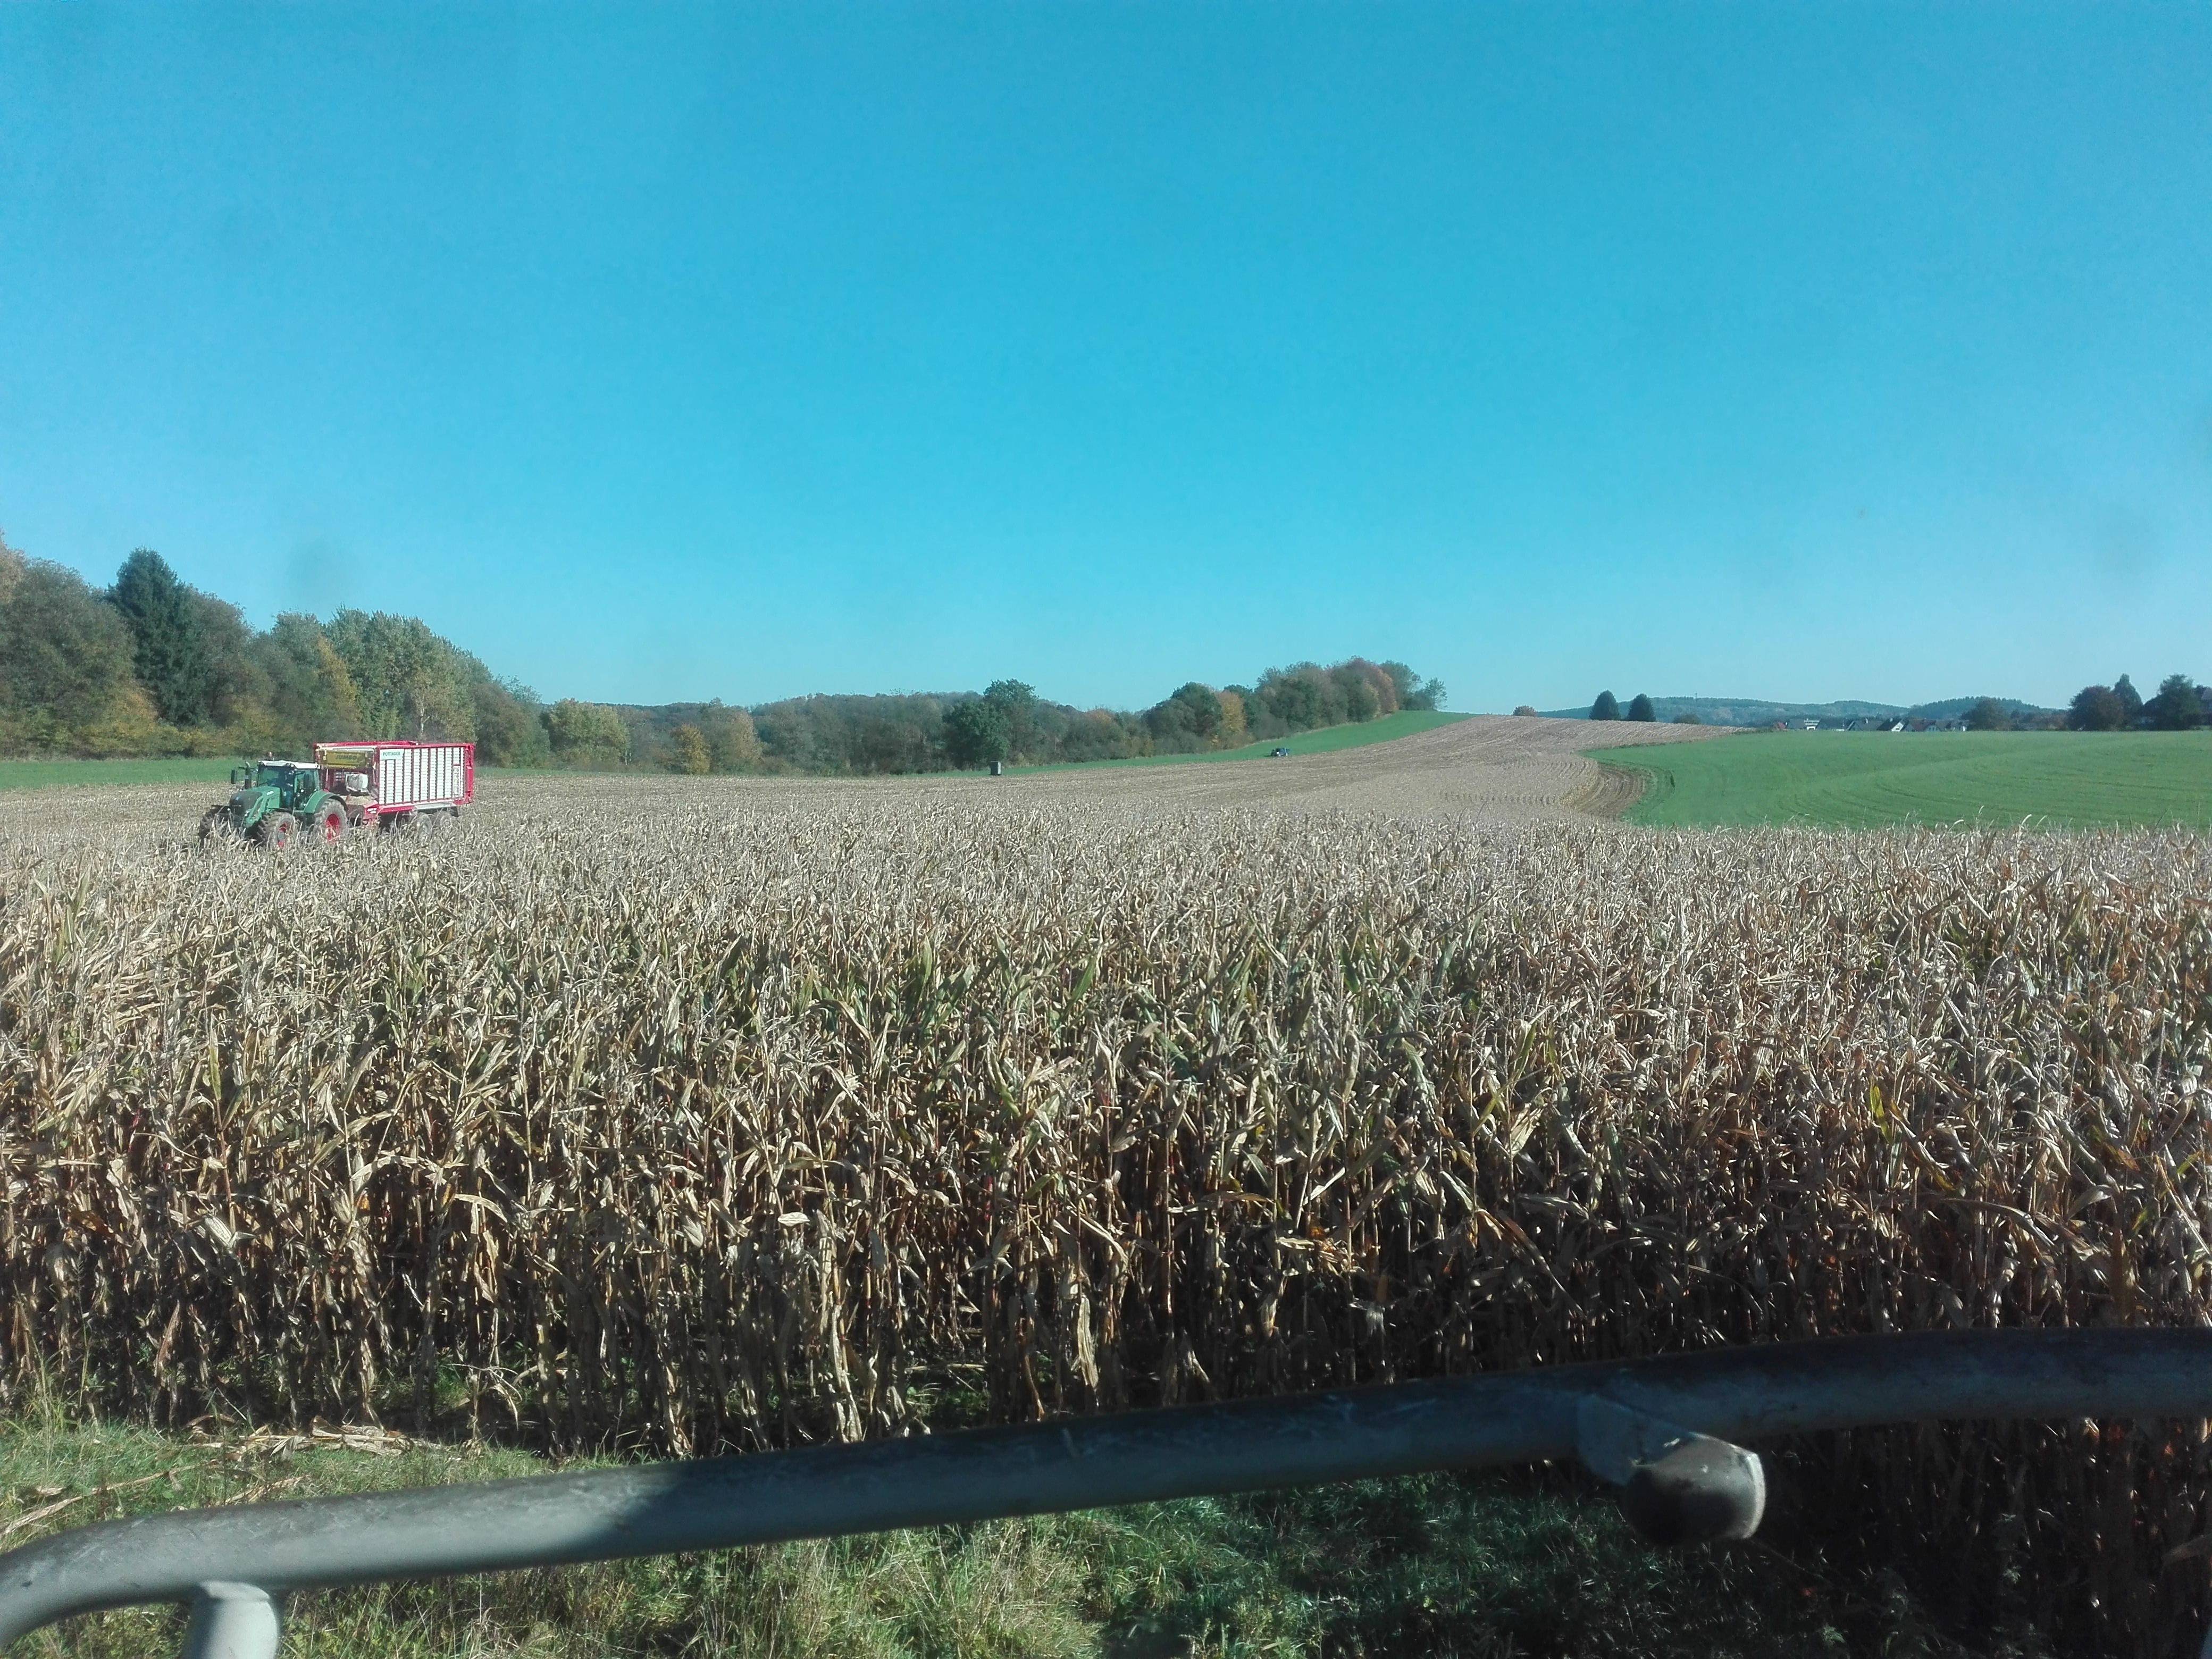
1466	1565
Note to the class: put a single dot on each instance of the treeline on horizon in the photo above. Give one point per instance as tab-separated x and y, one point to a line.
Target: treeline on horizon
1009	723
2180	704
152	666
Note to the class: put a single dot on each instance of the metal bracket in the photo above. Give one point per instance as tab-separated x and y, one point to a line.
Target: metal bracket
1677	1483
233	1621
1678	1487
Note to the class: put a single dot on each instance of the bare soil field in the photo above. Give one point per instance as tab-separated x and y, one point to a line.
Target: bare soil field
1490	769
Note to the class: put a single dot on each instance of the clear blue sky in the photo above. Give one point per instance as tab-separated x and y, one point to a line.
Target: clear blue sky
663	352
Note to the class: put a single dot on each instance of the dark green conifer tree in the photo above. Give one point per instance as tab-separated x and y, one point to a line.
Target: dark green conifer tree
1607	708
169	649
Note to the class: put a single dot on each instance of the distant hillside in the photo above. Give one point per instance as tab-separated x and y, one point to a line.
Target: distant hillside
1751	711
931	732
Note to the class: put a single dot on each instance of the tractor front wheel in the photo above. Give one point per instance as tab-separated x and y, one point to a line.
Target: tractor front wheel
330	824
277	832
215	827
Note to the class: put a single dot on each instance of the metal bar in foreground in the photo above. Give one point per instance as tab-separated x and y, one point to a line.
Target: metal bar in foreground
1662	1428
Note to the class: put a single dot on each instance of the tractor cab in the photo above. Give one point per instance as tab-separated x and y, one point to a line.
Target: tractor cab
272	801
292	781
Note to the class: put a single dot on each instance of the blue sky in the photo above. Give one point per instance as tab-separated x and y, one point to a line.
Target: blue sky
664	352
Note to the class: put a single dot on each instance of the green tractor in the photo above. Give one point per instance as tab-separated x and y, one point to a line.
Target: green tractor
277	804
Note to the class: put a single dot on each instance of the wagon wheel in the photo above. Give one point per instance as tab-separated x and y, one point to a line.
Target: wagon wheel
278	831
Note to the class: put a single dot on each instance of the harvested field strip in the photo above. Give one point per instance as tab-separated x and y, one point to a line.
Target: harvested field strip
759	1119
1327	740
1484	768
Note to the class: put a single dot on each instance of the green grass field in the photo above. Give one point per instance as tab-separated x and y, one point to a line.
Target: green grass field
1303	742
1467	1565
78	773
1858	779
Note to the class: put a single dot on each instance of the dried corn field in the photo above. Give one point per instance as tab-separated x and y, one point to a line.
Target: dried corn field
729	1115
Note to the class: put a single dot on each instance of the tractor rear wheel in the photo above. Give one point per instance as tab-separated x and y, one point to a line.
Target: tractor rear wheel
277	832
330	826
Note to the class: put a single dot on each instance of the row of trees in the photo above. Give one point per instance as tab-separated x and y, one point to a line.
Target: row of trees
1608	707
153	666
2178	705
1009	722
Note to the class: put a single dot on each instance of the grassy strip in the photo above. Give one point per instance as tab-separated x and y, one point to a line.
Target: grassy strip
1867	780
1439	1565
87	774
1326	740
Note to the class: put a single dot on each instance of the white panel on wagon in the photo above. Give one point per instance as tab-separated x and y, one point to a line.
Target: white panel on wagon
399	777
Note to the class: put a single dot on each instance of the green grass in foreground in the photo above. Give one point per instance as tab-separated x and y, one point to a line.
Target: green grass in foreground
1859	780
1329	737
83	773
1442	1566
